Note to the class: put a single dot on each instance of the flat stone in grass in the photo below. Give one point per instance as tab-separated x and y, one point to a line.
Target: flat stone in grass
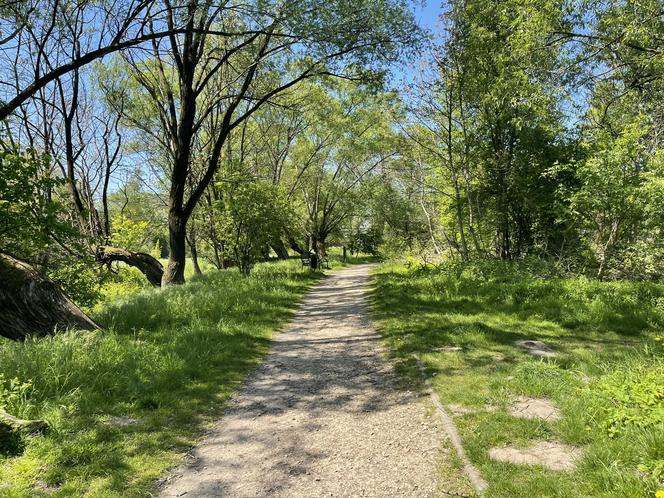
449	349
122	421
457	410
550	454
536	348
541	408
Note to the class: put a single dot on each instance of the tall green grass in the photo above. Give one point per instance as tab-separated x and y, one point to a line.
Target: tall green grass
607	377
124	403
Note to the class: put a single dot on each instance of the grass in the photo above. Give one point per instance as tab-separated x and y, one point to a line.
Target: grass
125	403
336	259
607	379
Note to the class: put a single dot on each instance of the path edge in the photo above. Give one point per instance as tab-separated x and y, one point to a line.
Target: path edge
471	471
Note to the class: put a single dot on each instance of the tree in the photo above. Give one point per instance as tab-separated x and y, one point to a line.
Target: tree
32	304
197	84
488	124
47	33
348	139
252	214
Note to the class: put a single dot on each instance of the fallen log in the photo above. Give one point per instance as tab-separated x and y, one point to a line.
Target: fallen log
148	265
32	304
11	424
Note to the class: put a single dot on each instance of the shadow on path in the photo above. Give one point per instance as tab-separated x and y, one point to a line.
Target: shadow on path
322	416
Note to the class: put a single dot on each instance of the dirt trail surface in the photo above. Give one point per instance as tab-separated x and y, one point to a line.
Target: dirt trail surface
322	416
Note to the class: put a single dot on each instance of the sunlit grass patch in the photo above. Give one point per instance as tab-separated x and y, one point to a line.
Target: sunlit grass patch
606	376
124	403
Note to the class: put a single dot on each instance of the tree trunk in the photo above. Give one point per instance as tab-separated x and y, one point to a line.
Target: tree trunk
32	304
606	249
148	265
294	245
9	423
459	216
503	219
280	249
193	248
194	259
174	271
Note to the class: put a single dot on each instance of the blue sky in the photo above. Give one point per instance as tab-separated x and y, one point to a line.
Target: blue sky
427	14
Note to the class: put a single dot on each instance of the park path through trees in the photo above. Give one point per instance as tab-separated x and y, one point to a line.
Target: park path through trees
322	416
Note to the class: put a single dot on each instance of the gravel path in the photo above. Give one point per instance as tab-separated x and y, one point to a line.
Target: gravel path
322	416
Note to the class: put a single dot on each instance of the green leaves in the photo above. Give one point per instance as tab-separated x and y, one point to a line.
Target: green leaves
251	215
28	209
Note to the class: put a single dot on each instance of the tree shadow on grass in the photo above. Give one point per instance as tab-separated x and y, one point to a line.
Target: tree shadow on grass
423	316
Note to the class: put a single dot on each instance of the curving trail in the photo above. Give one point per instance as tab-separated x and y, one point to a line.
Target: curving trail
322	416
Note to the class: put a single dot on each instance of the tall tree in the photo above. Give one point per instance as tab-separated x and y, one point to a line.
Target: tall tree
197	82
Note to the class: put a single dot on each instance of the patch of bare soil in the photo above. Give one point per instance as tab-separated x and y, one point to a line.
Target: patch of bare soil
322	416
550	454
535	408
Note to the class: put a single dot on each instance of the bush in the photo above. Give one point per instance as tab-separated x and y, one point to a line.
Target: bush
631	396
80	280
126	282
13	393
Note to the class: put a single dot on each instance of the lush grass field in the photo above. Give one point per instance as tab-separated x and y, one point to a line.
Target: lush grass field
125	403
608	377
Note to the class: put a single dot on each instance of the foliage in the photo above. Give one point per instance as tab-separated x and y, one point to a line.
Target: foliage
614	202
251	216
633	396
28	209
124	283
365	241
129	234
138	217
13	392
80	280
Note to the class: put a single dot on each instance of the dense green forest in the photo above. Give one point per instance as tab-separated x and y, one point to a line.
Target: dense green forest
524	129
506	159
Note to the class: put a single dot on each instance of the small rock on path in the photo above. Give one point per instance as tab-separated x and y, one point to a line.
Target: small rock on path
322	416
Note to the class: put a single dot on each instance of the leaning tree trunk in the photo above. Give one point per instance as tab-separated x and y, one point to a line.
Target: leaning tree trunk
148	265
280	249
32	304
295	246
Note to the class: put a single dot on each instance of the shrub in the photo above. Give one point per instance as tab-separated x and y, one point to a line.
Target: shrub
631	396
80	280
